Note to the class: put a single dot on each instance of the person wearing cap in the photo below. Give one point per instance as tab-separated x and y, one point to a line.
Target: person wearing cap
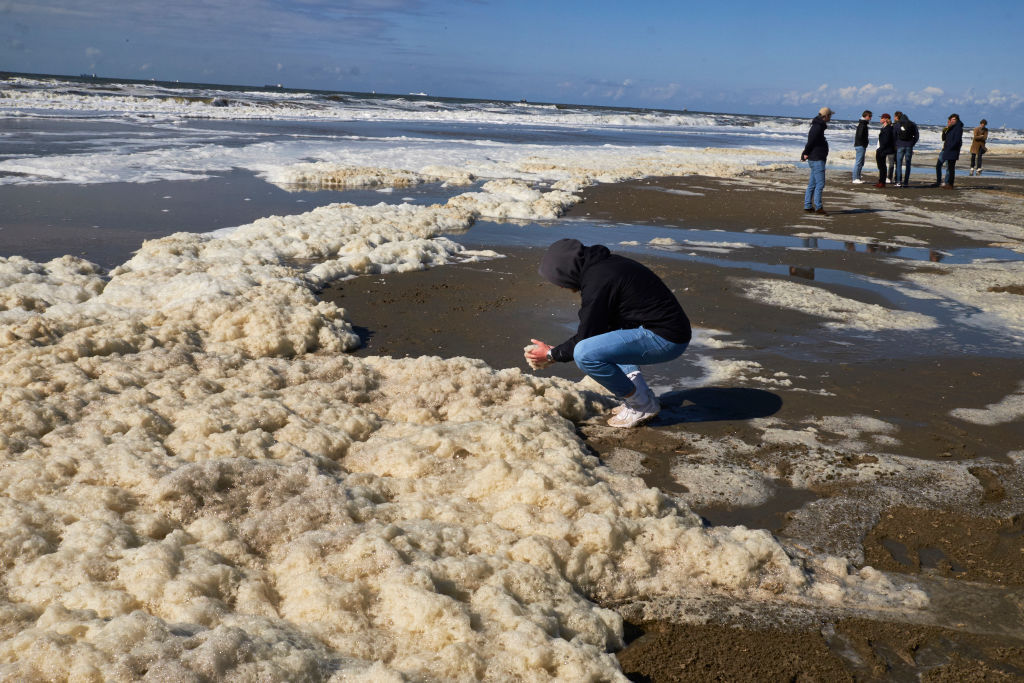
952	139
815	153
978	145
628	317
886	148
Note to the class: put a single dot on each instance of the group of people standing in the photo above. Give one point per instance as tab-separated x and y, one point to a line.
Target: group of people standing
896	140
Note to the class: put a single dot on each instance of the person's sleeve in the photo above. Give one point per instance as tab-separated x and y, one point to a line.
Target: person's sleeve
810	140
595	313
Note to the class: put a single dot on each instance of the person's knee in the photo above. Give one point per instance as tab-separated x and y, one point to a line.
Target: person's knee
584	357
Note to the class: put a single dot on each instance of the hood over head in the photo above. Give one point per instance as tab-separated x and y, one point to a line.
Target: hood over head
565	260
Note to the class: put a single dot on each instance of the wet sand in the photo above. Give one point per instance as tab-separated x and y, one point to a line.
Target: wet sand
968	549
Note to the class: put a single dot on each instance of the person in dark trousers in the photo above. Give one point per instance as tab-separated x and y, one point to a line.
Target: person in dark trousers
978	146
815	153
907	136
860	145
886	148
952	140
628	317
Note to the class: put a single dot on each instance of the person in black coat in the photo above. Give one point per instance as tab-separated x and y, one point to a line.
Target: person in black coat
628	317
952	140
860	145
886	146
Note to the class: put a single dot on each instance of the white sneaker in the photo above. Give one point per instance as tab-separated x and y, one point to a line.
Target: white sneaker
638	409
972	171
630	417
979	172
637	378
858	181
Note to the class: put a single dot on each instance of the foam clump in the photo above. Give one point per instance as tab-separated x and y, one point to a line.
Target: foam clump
325	174
514	199
30	287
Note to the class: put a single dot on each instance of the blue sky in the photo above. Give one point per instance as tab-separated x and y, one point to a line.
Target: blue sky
926	58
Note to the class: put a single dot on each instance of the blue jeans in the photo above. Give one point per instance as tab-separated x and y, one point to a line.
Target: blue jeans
858	163
950	170
903	155
609	357
815	184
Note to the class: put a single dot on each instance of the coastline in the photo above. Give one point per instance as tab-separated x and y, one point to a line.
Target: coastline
488	310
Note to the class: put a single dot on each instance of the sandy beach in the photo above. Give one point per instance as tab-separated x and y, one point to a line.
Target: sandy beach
966	544
264	413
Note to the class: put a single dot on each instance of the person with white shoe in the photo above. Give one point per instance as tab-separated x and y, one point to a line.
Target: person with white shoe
978	146
628	317
860	145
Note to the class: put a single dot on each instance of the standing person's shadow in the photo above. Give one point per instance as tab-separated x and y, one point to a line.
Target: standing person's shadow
709	404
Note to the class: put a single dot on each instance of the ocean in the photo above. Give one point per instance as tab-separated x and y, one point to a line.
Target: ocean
199	478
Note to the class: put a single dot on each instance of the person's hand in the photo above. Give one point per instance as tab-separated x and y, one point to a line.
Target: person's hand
536	354
803	157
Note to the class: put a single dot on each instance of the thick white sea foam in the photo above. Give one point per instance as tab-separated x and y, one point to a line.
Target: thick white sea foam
199	483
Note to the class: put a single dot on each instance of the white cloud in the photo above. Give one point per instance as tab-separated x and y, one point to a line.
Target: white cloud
927	97
660	93
870	94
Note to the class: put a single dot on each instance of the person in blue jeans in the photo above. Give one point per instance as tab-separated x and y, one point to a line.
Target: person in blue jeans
952	140
815	154
907	136
860	145
628	317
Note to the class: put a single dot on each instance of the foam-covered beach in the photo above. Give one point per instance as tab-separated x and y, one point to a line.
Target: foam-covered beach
305	446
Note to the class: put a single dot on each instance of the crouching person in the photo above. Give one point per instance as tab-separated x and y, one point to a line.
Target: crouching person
628	317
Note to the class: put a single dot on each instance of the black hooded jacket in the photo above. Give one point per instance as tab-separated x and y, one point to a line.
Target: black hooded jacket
816	148
616	293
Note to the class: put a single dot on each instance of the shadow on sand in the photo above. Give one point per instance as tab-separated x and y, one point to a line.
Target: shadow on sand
710	404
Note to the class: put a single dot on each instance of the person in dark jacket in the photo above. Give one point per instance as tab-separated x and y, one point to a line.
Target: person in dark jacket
815	153
886	147
907	136
952	139
860	145
628	317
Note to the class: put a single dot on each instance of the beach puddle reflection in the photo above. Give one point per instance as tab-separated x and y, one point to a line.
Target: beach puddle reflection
695	242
